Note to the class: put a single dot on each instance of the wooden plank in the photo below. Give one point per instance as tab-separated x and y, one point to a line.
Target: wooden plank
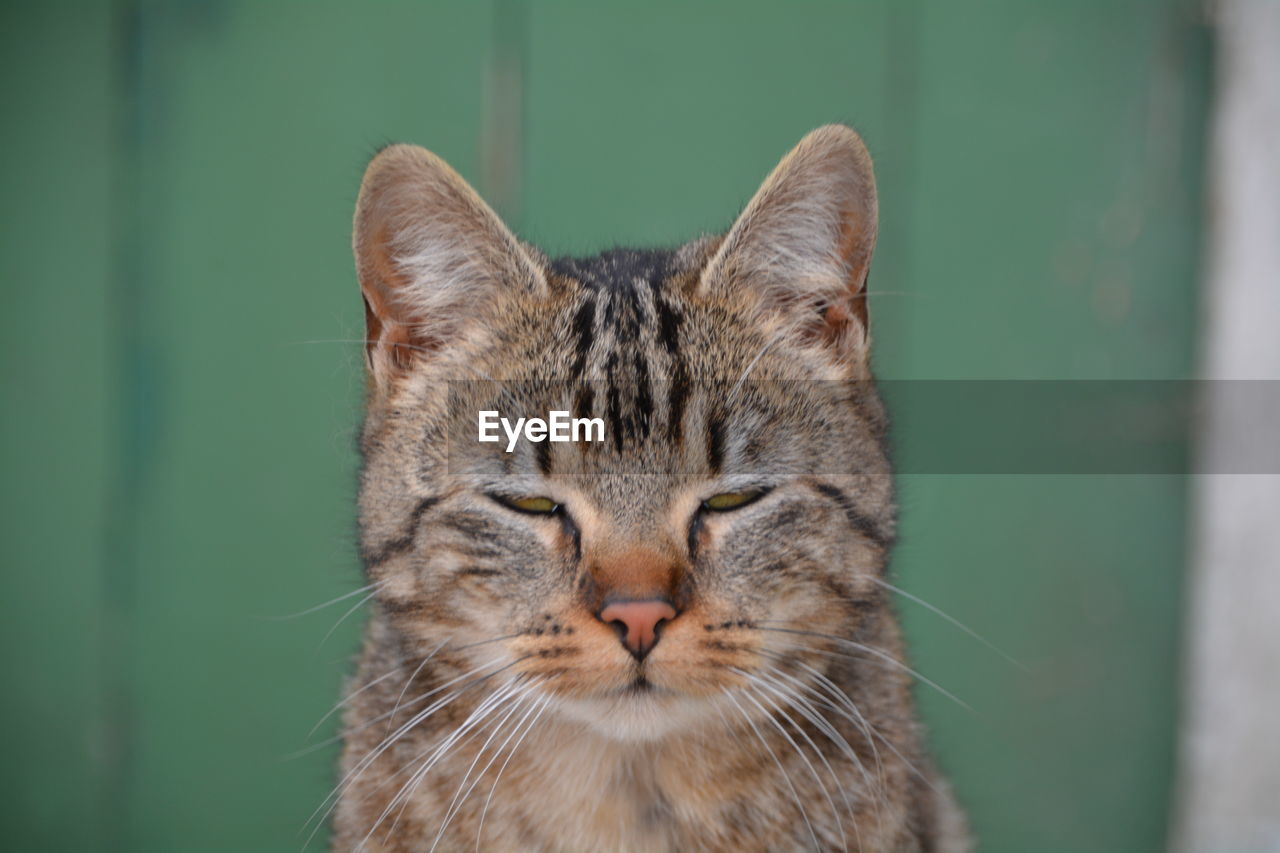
259	118
55	262
650	124
1054	235
1039	174
1039	186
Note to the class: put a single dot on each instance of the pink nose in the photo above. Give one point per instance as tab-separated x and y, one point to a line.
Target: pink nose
639	621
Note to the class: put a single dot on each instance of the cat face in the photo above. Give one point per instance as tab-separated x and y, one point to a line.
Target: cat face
738	499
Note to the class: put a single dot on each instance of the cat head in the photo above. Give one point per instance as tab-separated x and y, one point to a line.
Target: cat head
739	501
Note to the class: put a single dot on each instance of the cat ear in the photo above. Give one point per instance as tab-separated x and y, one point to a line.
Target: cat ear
803	245
430	254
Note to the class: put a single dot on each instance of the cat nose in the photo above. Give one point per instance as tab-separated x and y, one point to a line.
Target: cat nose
638	622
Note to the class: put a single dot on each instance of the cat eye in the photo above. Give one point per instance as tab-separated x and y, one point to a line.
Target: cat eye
730	500
535	505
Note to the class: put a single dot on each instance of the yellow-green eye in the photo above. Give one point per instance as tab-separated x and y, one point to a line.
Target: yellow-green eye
729	500
544	506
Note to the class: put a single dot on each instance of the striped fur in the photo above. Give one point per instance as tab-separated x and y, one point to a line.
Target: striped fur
495	710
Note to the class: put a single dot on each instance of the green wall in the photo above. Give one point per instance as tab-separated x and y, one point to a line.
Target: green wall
181	388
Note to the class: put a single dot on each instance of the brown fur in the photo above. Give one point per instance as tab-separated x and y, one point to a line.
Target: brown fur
774	712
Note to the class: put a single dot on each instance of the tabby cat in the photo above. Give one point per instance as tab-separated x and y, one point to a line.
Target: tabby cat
675	639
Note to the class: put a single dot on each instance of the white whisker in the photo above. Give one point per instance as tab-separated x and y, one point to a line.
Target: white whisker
844	840
880	653
843	700
954	621
545	703
767	681
459	798
785	775
361	603
365	341
329	603
348	699
824	725
477	715
733	393
331	801
396	707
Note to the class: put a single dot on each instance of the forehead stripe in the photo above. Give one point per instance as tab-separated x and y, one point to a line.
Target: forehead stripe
857	520
715	443
372	558
584	321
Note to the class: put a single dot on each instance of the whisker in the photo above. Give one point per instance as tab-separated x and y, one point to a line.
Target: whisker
787	776
776	674
733	393
880	653
391	777
348	699
364	341
844	840
954	621
361	603
871	293
345	733
410	679
824	725
434	749
831	687
402	798
459	798
486	642
331	800
766	681
839	702
329	603
545	703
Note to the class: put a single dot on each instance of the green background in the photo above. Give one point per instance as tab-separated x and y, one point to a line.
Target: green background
181	388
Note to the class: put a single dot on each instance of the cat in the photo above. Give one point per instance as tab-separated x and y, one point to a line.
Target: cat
676	639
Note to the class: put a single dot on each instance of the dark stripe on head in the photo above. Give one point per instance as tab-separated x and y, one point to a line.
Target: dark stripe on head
611	268
669	320
472	524
864	525
372	558
627	318
614	406
715	443
585	402
677	396
542	455
584	322
644	399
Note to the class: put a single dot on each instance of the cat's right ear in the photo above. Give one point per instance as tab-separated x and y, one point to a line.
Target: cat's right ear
430	254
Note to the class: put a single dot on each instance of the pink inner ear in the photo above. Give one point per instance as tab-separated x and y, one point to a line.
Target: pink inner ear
806	238
858	304
854	248
389	339
835	323
833	326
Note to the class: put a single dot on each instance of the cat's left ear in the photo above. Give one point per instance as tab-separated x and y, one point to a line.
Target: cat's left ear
803	245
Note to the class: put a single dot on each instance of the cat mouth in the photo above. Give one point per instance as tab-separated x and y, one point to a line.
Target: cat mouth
640	686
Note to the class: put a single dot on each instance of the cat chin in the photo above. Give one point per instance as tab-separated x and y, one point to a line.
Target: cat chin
637	718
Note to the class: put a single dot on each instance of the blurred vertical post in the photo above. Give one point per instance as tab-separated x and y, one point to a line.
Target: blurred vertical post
1230	753
502	142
